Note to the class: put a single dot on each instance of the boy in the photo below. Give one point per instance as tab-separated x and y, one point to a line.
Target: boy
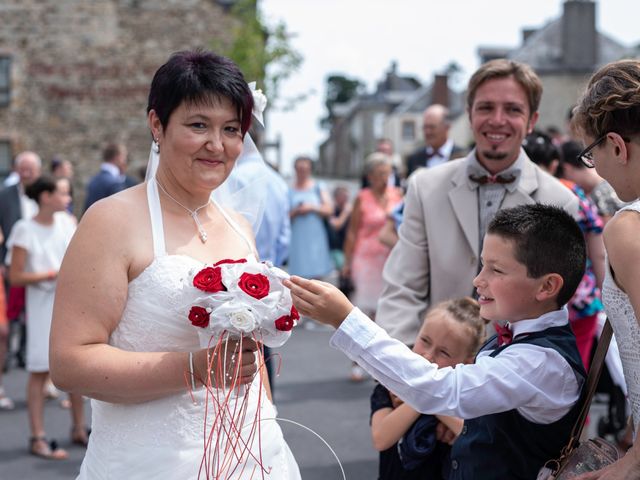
520	398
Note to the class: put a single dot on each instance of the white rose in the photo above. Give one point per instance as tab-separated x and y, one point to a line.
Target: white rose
259	102
243	320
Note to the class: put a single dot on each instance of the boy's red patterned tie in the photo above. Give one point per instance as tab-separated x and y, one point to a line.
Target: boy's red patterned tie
504	334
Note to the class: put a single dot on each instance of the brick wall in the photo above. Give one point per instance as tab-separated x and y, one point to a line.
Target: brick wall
81	71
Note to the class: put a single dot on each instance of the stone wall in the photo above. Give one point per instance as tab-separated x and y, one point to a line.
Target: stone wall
80	72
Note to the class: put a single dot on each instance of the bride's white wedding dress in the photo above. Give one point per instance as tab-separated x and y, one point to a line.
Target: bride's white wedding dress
164	438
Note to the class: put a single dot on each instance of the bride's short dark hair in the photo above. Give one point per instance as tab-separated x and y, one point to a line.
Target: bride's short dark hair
199	77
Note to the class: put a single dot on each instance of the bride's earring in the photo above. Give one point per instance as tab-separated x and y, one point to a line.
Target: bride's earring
156	146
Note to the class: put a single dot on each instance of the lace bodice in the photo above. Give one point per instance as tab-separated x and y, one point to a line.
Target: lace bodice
627	333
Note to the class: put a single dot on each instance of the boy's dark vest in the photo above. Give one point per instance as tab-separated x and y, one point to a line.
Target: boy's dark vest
506	445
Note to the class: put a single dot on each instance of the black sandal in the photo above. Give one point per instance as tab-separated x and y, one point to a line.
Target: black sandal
48	449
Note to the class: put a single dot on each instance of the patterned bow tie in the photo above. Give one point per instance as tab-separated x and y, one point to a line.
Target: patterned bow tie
492	179
505	335
434	153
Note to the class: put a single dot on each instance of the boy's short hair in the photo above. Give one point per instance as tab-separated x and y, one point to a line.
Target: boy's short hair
547	240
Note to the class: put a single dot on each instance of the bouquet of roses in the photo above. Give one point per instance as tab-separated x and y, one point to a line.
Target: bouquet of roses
239	298
232	300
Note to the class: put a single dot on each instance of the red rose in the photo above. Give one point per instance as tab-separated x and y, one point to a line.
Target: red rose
228	260
199	317
209	279
294	313
284	323
254	284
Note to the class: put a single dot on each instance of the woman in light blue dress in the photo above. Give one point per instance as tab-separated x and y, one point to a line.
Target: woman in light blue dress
309	254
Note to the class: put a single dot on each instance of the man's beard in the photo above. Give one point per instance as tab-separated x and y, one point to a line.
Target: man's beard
491	155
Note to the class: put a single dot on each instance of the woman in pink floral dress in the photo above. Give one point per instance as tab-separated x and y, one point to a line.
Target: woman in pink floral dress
364	254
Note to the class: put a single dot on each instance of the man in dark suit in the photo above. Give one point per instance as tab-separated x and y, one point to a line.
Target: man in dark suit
14	205
111	177
438	147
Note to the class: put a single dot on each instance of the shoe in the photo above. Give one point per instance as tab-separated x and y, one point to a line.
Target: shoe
357	374
5	402
40	447
50	391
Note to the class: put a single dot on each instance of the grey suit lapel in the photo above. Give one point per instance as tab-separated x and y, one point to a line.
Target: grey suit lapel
464	202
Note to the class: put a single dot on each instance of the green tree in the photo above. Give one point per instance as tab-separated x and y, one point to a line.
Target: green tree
263	52
340	90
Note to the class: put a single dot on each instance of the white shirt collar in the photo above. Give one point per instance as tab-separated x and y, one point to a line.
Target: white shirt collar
555	318
444	150
111	169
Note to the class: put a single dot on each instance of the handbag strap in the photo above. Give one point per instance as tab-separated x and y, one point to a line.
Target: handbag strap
592	381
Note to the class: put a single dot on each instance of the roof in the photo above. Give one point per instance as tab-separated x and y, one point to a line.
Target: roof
543	50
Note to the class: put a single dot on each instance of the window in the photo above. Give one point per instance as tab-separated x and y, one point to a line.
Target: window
5	158
5	81
378	125
408	130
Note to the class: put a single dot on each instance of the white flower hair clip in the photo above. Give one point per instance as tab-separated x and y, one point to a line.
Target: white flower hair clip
259	102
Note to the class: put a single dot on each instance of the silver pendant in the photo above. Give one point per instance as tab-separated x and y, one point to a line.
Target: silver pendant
201	231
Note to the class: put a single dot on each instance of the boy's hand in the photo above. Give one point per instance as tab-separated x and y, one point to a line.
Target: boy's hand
319	300
444	434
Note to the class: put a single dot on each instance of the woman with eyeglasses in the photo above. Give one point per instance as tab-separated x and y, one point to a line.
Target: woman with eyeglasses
608	118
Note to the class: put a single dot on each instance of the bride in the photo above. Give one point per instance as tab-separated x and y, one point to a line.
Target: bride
118	333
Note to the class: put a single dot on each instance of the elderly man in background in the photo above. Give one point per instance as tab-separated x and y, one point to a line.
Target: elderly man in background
439	148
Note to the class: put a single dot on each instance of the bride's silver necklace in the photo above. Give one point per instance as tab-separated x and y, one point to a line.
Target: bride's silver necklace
194	213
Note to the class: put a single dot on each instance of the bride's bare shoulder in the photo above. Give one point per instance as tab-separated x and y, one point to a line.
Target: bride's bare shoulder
122	218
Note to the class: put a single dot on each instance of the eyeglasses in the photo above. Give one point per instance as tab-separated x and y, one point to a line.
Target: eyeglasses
586	155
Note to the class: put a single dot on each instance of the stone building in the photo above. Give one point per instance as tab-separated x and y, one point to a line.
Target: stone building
359	123
75	74
404	124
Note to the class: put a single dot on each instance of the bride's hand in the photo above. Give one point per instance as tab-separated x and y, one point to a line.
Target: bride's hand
227	358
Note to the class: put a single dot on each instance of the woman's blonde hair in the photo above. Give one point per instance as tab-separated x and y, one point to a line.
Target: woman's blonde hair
466	311
611	101
374	160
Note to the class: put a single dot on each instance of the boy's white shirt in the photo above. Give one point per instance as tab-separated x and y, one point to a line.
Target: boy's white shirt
536	381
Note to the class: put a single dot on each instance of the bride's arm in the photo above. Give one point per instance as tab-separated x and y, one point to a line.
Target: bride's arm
90	298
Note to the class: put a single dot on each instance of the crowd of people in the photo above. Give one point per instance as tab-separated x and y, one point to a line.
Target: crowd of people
471	283
37	223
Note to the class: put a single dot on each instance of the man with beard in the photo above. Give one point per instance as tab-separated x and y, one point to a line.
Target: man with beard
448	207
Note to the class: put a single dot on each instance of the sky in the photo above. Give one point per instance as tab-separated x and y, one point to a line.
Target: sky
360	38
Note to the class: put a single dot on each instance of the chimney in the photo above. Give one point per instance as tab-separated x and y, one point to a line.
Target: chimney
579	36
440	90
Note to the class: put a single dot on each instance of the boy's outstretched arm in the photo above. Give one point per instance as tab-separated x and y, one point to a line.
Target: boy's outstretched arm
319	300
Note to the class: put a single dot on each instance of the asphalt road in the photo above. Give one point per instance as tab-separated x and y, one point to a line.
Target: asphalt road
313	390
